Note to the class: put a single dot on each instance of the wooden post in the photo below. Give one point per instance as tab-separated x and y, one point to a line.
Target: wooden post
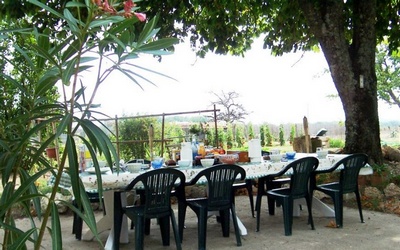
151	137
216	127
162	135
306	134
117	134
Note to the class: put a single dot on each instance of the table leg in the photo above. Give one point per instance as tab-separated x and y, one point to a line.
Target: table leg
106	223
242	228
317	204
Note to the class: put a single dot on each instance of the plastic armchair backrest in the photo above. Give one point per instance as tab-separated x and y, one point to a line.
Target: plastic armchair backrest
302	169
158	185
220	179
300	175
351	168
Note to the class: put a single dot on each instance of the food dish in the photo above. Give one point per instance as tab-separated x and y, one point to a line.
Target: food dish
229	158
207	162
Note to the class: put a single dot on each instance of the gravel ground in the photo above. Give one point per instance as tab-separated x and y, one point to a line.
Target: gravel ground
379	231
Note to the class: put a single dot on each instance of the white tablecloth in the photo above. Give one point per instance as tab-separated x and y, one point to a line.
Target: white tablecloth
253	171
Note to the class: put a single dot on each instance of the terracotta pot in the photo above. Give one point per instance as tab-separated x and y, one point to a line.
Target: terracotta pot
51	153
378	179
362	180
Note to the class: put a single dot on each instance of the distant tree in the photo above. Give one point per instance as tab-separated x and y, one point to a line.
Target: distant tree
268	136
292	133
387	69
262	135
239	136
230	110
229	137
250	131
281	136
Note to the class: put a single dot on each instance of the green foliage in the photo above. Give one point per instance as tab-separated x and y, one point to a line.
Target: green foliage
281	136
239	136
250	130
134	133
229	137
268	136
336	143
292	133
195	129
262	135
379	168
387	69
44	57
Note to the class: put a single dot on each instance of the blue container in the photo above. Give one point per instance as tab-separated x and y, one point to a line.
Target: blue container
156	164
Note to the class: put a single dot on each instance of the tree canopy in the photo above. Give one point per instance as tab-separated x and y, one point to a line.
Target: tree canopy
388	75
345	31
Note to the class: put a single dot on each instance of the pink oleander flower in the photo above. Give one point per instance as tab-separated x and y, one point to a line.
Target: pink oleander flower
141	16
108	8
97	2
128	5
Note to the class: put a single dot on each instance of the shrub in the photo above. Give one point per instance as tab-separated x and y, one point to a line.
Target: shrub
336	143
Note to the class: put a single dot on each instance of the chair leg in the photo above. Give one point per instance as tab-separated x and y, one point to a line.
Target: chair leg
236	226
147	224
176	231
224	215
287	206
309	208
258	212
181	218
202	229
139	236
338	204
359	206
260	192
271	205
165	230
117	220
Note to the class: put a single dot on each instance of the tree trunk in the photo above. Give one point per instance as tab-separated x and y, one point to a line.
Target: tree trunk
352	66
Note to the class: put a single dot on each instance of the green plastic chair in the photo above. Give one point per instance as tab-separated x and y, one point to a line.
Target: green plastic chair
220	179
348	183
300	171
157	186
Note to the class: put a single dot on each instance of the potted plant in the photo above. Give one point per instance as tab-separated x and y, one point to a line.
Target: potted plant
380	173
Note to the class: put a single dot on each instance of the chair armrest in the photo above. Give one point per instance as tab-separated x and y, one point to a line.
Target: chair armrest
329	170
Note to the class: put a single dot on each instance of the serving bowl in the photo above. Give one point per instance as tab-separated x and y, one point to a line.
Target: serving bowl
322	154
290	155
184	163
207	162
229	158
157	163
134	167
275	157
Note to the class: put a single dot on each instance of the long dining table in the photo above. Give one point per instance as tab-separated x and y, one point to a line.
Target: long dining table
254	170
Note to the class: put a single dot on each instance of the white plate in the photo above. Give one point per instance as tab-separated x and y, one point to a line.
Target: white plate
102	170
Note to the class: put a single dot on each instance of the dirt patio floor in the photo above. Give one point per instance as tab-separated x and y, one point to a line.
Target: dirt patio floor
380	231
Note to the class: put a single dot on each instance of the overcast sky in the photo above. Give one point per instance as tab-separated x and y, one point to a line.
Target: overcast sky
275	89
